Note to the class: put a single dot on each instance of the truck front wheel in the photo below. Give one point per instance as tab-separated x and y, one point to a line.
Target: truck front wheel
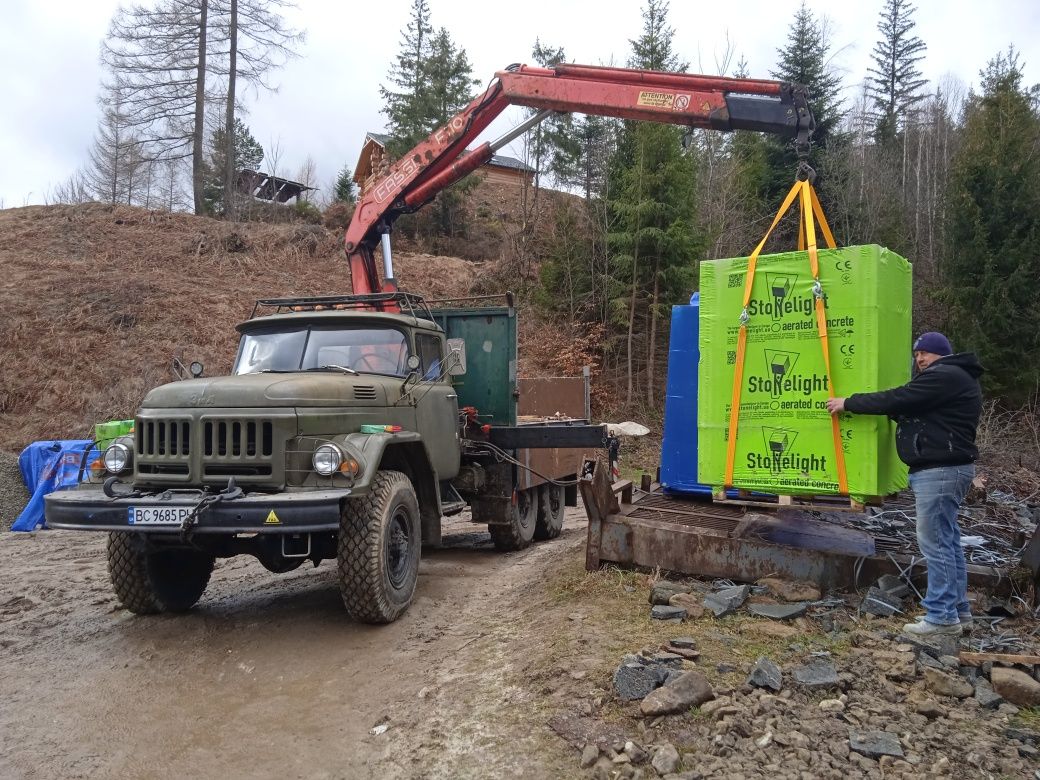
155	579
550	511
523	517
379	547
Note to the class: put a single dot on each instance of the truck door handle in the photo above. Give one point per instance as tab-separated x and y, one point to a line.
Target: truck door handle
451	396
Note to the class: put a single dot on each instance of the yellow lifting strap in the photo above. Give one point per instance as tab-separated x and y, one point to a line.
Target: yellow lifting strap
809	207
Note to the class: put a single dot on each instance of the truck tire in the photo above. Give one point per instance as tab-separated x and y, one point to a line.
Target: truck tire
523	517
149	580
550	512
378	550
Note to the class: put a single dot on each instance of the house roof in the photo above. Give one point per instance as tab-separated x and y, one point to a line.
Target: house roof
497	160
266	187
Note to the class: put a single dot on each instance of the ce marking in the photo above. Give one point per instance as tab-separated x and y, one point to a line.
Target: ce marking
844	267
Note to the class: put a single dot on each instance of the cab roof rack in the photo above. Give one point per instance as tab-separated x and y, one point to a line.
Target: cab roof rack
407	303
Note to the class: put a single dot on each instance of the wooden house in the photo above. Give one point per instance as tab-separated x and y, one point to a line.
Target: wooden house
374	162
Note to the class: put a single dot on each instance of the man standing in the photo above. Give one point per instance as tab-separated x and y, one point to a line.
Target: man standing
936	415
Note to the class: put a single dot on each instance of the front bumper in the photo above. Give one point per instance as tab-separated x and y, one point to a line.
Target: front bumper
267	513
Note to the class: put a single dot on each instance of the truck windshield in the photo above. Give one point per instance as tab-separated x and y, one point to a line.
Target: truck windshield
365	350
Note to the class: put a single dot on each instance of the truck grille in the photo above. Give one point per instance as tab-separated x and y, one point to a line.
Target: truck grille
169	438
237	448
172	450
237	438
364	393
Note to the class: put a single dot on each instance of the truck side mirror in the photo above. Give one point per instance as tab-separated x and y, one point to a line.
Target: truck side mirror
456	359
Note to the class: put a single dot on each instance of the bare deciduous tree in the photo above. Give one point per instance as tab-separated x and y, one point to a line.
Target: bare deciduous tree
160	60
115	163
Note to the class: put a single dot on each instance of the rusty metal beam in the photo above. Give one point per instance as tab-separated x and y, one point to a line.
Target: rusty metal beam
691	538
629	541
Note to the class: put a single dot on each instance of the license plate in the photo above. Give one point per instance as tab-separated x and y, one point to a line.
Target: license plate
158	515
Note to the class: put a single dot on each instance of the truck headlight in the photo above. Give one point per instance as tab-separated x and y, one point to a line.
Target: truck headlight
326	459
117	458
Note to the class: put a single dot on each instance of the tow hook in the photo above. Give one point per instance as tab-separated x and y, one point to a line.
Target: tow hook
109	489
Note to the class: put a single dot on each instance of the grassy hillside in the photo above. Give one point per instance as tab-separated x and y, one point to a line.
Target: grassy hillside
96	301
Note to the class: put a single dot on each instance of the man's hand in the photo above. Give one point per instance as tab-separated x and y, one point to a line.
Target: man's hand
835	405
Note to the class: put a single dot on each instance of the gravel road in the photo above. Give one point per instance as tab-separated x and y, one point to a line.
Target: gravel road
267	677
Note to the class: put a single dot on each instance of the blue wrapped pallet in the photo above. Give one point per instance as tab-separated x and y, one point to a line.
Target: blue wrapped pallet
679	444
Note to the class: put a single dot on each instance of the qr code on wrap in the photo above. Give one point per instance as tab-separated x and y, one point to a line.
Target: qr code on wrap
731	357
736	280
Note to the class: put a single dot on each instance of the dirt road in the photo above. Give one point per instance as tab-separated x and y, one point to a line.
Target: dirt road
267	677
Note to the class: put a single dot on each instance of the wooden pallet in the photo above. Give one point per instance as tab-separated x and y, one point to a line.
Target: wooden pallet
814	503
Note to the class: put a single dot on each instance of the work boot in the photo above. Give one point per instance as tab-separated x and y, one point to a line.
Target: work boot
967	623
923	628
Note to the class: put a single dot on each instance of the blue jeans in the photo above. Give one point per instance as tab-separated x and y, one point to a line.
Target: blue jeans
939	493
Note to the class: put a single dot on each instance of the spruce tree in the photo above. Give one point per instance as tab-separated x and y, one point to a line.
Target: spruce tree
895	83
343	190
991	268
554	146
248	154
405	102
653	49
449	81
655	243
805	60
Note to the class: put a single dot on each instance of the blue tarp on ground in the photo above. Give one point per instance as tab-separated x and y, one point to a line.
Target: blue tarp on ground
47	466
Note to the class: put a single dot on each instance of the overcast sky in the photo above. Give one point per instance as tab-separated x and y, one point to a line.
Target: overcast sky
329	97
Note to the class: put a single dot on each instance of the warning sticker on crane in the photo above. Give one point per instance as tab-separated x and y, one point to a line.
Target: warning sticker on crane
656	99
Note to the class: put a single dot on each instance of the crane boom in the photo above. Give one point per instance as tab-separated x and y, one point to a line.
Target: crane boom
440	160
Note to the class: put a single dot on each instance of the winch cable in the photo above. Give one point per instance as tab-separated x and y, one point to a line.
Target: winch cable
501	455
809	205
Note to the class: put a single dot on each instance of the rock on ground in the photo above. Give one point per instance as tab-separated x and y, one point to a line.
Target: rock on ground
986	696
875	744
666	759
663	590
690	689
589	755
727	600
879	602
779	611
689	602
1016	686
791	590
766	674
944	684
665	612
634	680
817	673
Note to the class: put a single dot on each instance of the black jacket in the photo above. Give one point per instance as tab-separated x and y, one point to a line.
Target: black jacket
936	412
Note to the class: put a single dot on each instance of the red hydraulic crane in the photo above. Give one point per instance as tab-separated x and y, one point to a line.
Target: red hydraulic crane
655	96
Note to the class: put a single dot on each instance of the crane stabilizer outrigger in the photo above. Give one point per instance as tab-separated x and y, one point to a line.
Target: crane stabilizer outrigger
694	101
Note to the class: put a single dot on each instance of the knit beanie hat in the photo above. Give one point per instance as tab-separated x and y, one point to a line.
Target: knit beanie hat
933	342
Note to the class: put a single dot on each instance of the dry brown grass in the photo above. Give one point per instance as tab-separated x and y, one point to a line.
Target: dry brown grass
1009	447
96	301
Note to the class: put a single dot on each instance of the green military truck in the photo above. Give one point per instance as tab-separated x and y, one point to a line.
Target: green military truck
348	428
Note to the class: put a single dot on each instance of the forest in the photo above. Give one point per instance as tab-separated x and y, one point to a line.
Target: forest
945	175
